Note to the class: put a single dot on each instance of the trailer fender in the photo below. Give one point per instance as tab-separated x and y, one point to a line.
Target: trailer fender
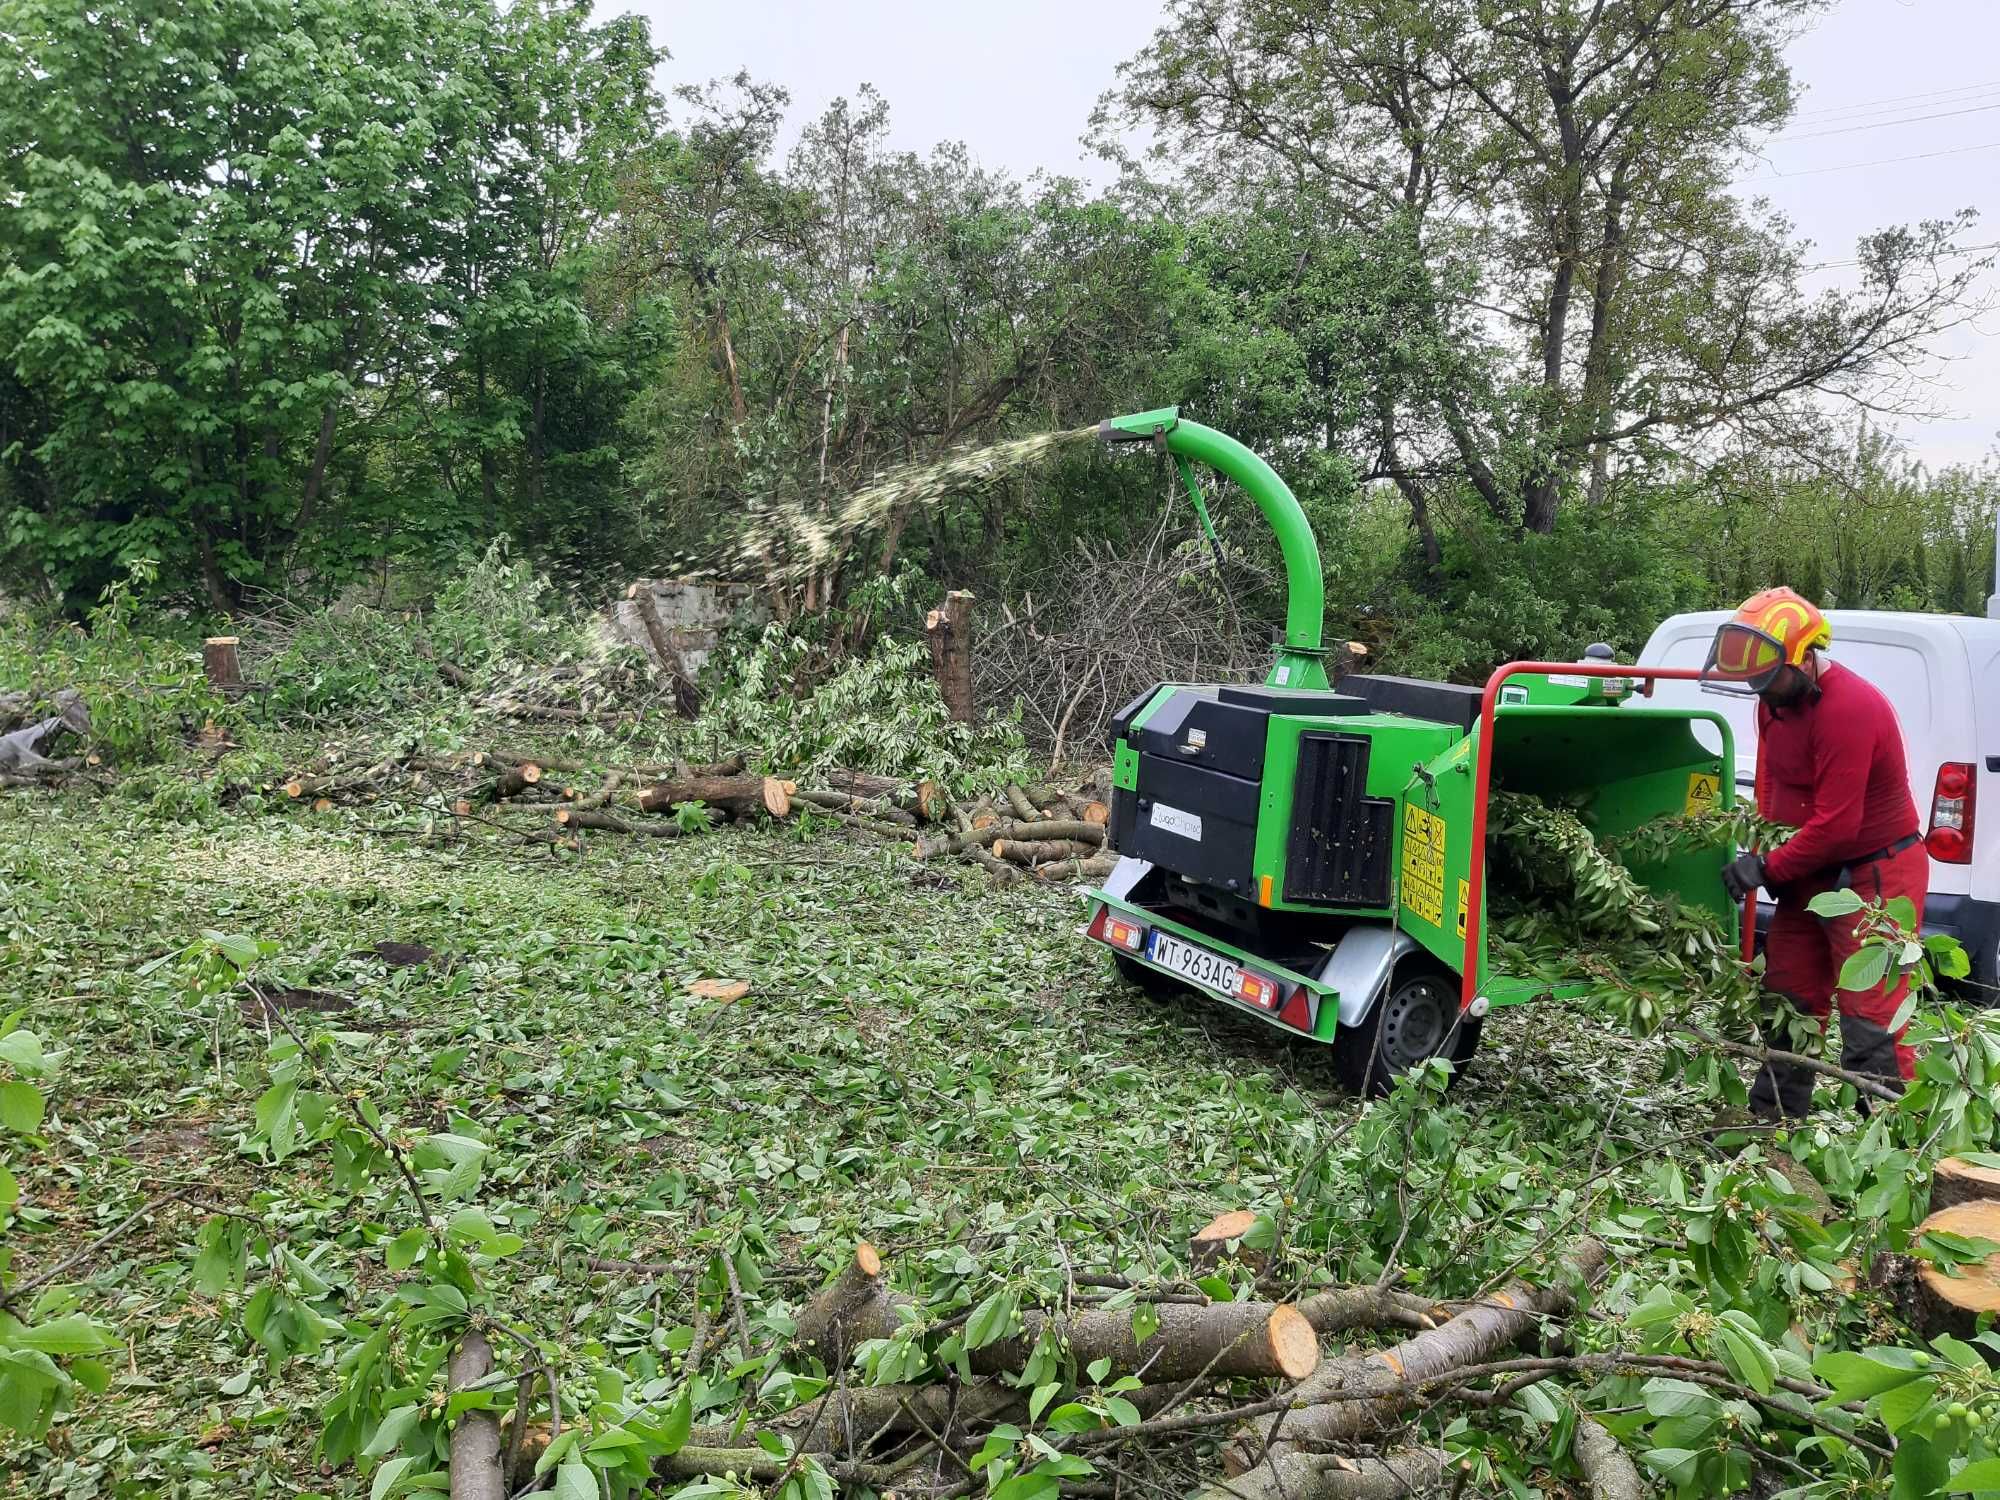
1126	875
1359	967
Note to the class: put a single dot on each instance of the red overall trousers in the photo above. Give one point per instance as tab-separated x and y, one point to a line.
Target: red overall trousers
1802	958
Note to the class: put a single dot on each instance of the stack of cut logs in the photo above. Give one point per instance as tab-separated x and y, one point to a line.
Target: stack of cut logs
1048	832
1339	1427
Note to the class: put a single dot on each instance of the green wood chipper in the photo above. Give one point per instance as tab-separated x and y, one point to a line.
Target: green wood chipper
1316	855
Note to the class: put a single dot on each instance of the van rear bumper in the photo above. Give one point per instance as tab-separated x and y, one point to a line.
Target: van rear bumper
1975	923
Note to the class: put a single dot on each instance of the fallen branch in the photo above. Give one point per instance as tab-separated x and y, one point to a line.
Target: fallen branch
475	1441
1606	1467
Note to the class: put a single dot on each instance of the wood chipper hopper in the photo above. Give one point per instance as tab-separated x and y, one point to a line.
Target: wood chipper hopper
1316	857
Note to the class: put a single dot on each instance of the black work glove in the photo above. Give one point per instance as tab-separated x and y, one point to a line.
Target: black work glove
1742	875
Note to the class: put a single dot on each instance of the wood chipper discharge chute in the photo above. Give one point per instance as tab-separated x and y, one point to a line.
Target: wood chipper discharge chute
1317	856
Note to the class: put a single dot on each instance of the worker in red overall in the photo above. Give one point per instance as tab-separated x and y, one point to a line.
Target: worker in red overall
1830	763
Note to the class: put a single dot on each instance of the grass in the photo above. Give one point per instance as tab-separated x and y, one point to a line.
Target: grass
921	1062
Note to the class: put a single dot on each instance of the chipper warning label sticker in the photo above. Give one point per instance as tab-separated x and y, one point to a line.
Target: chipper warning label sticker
1703	790
1423	863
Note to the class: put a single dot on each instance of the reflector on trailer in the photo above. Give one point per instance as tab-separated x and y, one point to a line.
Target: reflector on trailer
1257	990
1123	934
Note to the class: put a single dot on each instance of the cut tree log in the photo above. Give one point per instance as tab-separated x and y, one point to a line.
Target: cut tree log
1952	1303
1607	1468
1210	1243
854	1307
687	700
1955	1180
1024	809
475	1441
949	630
1297	1475
739	796
515	780
579	816
220	665
1223	1339
1094	868
1040	851
1359	1395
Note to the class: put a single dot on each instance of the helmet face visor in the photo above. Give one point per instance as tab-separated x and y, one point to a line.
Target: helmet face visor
1743	659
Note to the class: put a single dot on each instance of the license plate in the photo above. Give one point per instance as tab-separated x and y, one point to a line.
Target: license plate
1210	970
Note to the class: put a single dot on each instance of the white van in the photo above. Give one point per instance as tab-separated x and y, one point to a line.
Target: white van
1941	673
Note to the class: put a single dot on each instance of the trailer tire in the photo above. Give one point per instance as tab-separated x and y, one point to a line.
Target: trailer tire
1417	1018
1149	982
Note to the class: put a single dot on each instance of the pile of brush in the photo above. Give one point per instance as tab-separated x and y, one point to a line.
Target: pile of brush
1051	833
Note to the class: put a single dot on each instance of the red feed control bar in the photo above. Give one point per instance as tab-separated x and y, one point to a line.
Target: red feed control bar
1475	892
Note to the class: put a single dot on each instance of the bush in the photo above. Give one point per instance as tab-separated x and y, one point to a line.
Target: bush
146	691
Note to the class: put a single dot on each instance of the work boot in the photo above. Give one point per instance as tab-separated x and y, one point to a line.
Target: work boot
1781	1091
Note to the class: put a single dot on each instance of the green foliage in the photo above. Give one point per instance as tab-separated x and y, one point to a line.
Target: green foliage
289	331
878	712
144	688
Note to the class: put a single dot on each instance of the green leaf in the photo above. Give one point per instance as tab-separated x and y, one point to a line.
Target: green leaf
72	1334
387	1475
1856	1377
1898	1408
1984	1475
21	1107
24	1050
673	1432
1920	1470
1145	1321
1835	903
1677	1398
576	1480
395	1426
1747	1355
991	1320
1026	1487
1041	1398
1675	1465
405	1248
1865	967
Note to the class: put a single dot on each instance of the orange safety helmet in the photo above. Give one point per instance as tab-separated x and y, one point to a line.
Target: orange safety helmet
1773	629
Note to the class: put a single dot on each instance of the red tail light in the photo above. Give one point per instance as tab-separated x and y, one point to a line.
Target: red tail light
1953	803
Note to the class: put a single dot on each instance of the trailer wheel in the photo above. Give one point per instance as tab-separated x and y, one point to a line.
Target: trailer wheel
1417	1019
1149	982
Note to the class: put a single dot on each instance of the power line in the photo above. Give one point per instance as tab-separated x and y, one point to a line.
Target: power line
1873	105
1813	135
1886	161
1958	254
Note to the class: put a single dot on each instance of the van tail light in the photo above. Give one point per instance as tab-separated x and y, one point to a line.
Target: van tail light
1952	806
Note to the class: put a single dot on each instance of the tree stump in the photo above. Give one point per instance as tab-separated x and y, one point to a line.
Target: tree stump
1952	1303
949	629
220	665
1955	1181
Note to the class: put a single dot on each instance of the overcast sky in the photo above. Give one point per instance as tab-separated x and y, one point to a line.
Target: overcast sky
1885	81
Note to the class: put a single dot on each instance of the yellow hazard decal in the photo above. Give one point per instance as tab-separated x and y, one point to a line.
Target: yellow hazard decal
1704	790
1464	898
1423	864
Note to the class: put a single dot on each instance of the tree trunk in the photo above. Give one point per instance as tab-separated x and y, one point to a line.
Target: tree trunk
475	1441
949	628
316	475
220	665
687	700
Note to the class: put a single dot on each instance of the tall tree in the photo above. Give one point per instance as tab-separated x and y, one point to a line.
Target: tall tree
1560	169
